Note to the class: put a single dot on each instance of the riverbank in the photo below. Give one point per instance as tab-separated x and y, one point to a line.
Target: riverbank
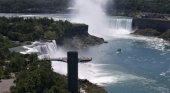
152	27
90	87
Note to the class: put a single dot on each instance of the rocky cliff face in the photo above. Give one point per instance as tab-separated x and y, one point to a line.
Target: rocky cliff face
77	29
78	37
159	25
152	27
147	32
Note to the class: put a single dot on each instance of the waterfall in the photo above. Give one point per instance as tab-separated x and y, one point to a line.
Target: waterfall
92	12
121	23
48	50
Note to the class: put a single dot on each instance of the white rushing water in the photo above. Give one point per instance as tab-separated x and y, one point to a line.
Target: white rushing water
92	12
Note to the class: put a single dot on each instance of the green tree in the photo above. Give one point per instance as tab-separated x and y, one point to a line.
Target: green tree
50	35
40	79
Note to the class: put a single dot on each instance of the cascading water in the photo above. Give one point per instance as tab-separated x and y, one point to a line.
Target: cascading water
92	12
47	50
44	50
120	25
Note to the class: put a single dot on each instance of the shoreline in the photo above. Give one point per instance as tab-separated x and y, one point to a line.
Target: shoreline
153	33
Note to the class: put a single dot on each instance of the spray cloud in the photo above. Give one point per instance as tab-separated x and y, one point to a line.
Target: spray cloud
91	12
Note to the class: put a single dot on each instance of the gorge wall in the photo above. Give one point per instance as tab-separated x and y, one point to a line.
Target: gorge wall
78	37
152	27
77	29
143	23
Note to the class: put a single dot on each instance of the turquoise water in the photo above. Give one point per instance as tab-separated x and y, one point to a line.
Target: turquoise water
142	67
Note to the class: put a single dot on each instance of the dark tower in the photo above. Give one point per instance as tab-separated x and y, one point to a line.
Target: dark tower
72	59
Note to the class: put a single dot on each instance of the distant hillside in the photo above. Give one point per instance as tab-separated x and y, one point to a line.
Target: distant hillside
53	6
33	6
132	6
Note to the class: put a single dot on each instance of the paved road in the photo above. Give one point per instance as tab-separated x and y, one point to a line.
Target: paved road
5	85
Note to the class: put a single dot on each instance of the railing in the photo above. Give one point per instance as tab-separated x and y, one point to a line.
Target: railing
64	59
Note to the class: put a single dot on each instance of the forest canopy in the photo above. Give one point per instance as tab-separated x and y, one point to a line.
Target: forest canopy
129	6
31	29
33	6
54	6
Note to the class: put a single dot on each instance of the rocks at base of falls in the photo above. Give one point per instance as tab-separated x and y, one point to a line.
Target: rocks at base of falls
152	27
154	33
78	37
147	32
166	35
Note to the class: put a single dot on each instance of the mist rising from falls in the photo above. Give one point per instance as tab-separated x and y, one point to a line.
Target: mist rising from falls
89	71
92	12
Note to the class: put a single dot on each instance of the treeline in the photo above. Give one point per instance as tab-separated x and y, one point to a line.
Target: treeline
33	6
132	6
31	29
53	6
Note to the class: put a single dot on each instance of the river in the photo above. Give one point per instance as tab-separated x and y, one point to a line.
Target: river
143	66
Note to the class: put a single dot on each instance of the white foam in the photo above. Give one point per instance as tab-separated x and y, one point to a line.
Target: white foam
151	42
95	74
28	50
166	73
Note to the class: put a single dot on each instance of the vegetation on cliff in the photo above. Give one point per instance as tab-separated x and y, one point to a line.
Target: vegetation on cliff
31	29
